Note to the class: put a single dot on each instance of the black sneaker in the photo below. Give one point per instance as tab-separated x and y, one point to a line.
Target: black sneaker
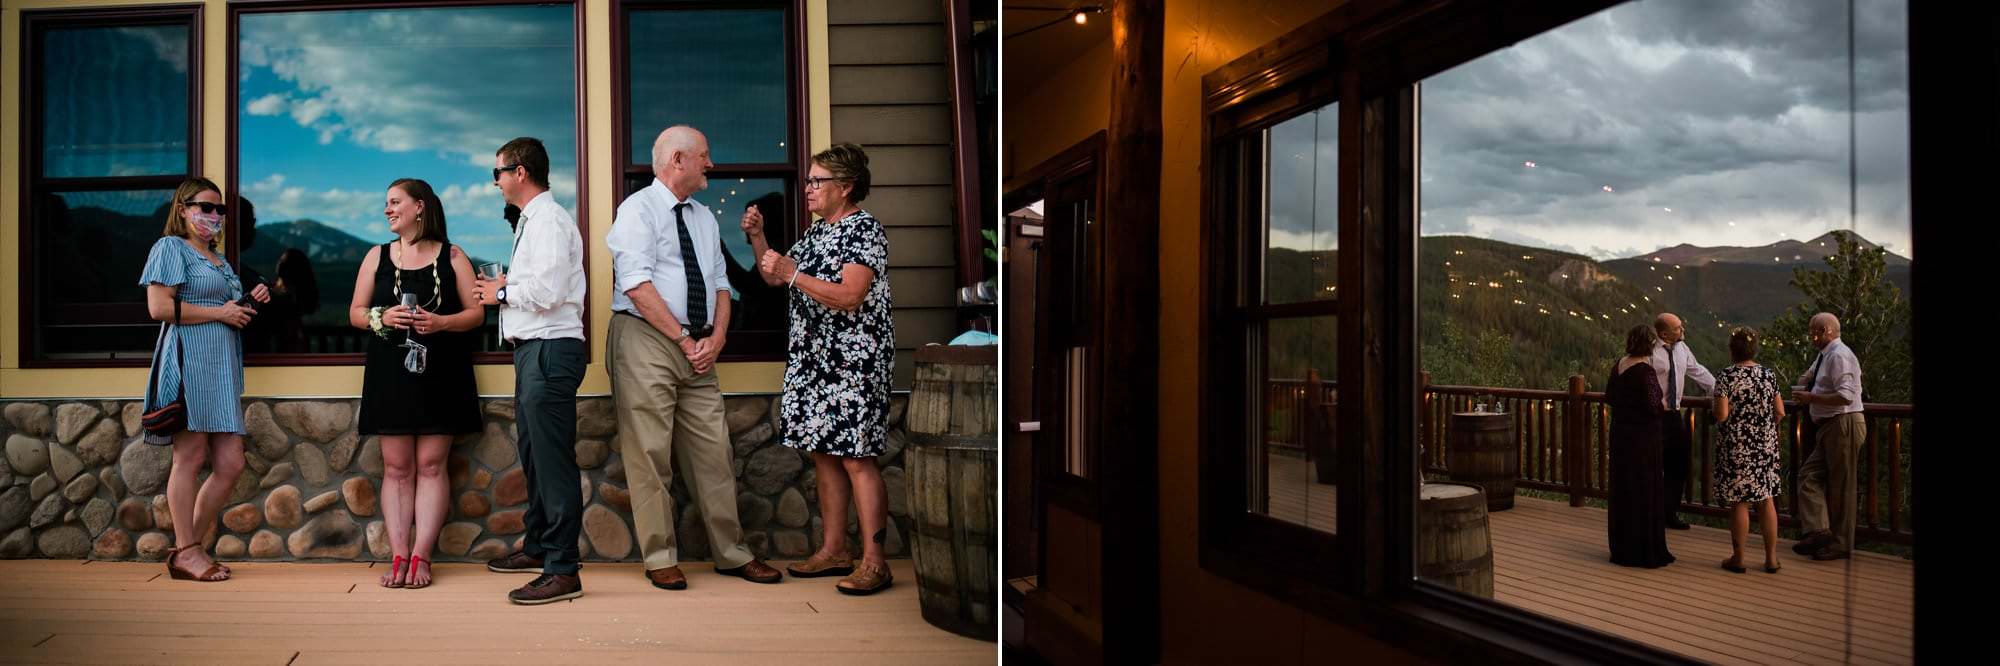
547	588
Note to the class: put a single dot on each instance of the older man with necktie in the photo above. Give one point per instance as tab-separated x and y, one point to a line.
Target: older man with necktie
1832	397
1674	364
669	322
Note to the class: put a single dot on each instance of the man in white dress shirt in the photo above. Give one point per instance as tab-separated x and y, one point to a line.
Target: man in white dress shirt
1674	365
1832	397
541	314
669	322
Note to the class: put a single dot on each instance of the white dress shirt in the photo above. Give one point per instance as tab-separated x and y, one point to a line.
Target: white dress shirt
1835	372
1682	361
645	247
545	280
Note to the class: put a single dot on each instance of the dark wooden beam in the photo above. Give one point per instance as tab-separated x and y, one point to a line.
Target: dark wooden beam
1127	423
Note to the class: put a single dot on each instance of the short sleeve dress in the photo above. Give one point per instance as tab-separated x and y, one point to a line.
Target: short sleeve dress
1747	465
205	358
840	363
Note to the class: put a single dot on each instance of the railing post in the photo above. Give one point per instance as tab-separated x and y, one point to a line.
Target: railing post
1576	442
1426	431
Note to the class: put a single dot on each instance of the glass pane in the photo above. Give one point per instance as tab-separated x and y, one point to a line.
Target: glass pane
756	306
1301	206
1684	158
722	71
1294	456
337	104
90	248
115	101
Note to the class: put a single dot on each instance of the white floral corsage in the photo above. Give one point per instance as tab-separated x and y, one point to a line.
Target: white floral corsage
376	324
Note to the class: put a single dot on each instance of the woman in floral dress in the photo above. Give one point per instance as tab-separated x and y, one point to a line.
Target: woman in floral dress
841	358
1748	407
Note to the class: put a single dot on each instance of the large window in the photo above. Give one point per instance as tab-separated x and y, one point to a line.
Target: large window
109	129
731	71
1515	197
1740	167
332	105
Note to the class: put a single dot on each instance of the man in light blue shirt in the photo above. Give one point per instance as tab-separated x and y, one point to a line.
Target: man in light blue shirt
669	321
1832	395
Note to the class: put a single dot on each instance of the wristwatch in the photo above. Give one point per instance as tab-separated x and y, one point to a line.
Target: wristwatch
501	295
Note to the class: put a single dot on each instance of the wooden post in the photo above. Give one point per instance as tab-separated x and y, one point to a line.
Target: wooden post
1128	238
1576	442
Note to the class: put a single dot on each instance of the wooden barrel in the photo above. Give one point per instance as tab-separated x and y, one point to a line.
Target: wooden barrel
952	462
1454	547
1481	452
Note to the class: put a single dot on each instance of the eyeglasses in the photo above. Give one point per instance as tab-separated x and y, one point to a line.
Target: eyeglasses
816	182
500	170
206	207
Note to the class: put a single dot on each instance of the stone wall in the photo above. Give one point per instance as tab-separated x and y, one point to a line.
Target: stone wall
78	482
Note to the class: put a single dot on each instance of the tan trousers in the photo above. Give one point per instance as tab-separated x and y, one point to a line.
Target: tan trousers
667	413
1827	478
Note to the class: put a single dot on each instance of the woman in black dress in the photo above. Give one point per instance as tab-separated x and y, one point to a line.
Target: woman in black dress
417	393
1638	530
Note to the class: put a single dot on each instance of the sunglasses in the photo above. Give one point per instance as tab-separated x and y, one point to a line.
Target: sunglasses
500	170
206	207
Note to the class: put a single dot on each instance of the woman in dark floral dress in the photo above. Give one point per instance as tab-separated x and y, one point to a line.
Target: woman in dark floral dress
1637	528
1747	409
841	359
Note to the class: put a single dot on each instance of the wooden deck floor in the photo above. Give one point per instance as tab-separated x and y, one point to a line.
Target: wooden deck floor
298	614
1551	559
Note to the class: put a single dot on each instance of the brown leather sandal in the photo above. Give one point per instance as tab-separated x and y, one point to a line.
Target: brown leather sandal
213	574
867	579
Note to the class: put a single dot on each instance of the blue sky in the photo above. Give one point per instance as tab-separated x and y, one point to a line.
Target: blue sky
334	105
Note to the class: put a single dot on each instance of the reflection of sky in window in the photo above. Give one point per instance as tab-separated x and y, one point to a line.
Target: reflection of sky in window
337	104
116	101
722	71
1733	115
1304	173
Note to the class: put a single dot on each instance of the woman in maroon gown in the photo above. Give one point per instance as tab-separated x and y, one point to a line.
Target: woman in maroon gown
1638	530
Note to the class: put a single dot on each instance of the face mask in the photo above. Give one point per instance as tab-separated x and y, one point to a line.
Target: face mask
207	224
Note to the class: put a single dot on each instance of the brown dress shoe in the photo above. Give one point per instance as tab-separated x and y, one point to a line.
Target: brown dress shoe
755	571
669	578
866	580
548	588
821	566
516	562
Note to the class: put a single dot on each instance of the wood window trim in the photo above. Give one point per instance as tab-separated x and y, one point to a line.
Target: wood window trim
1370	54
1071	492
234	41
33	24
798	146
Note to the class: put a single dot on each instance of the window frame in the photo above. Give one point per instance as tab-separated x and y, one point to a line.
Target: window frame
580	48
744	344
1371	56
34	24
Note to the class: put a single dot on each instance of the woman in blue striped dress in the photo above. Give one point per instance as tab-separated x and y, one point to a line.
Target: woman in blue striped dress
201	356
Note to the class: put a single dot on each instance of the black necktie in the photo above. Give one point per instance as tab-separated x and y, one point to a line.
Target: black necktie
1813	372
697	296
1673	378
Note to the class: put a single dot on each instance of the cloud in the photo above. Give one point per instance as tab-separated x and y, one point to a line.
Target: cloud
1723	112
456	82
